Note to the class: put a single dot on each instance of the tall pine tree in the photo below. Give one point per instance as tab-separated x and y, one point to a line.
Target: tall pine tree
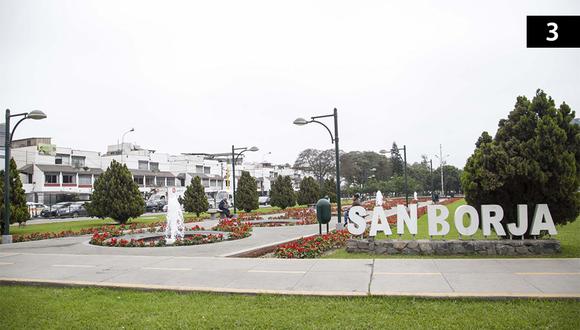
282	194
397	160
309	192
247	193
329	189
194	199
534	158
18	209
116	195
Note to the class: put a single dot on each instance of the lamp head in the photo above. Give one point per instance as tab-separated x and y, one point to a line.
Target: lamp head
300	121
253	149
383	151
36	115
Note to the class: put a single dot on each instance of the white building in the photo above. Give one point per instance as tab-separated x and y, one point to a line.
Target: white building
51	174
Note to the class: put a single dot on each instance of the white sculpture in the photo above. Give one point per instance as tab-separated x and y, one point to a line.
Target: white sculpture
175	227
415	196
379	199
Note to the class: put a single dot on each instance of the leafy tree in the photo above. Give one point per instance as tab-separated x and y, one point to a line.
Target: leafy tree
18	209
319	163
116	195
397	160
533	158
309	192
358	168
247	193
451	178
329	189
282	194
194	199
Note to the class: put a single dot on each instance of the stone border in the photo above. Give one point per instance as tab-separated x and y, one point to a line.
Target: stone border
455	247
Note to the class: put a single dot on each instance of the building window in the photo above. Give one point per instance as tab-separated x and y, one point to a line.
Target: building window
62	159
138	180
143	165
51	178
85	179
154	166
160	182
78	161
213	183
171	182
205	182
68	178
198	169
150	181
206	169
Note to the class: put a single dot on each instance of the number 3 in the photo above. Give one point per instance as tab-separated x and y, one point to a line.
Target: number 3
554	27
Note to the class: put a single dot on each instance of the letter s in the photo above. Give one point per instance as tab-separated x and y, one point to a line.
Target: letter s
357	224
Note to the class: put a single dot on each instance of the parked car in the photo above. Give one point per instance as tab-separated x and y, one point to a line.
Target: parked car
52	210
155	205
264	200
73	210
35	209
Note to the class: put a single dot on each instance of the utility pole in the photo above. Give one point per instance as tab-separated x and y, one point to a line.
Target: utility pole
441	162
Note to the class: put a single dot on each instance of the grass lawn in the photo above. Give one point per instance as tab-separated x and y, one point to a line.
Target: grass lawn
98	308
76	225
569	236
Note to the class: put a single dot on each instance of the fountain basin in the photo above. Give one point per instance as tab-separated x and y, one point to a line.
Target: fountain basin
153	239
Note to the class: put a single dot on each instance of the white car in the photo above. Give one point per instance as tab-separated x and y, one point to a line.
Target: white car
263	200
35	209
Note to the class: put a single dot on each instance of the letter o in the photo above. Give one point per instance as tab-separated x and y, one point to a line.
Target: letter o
473	217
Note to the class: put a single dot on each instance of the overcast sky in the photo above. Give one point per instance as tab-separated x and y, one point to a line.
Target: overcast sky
201	76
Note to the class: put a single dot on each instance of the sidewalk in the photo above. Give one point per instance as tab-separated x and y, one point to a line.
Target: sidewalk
539	278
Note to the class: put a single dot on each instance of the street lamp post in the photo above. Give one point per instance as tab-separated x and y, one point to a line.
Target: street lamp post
431	172
404	148
234	159
301	122
36	115
123	143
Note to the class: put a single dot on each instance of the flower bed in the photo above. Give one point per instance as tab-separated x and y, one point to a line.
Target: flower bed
313	246
106	228
234	228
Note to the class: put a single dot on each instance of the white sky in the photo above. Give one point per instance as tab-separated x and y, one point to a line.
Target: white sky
201	76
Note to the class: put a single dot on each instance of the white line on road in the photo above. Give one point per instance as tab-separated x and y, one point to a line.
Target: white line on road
6	263
161	268
278	271
546	274
75	266
419	274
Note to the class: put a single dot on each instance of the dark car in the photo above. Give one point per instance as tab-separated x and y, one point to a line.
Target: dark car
52	211
73	210
155	205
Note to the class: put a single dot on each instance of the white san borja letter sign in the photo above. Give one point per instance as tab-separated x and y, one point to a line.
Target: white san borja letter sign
437	215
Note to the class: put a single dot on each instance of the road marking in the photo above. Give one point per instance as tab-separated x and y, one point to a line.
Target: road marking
278	271
161	268
420	274
545	274
75	266
6	263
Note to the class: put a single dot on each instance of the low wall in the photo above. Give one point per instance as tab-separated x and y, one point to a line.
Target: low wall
455	247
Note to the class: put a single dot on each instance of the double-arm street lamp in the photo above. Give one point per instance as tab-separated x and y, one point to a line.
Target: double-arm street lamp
36	115
334	139
404	148
235	155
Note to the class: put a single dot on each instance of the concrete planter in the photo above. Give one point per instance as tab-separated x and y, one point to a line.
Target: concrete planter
455	247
